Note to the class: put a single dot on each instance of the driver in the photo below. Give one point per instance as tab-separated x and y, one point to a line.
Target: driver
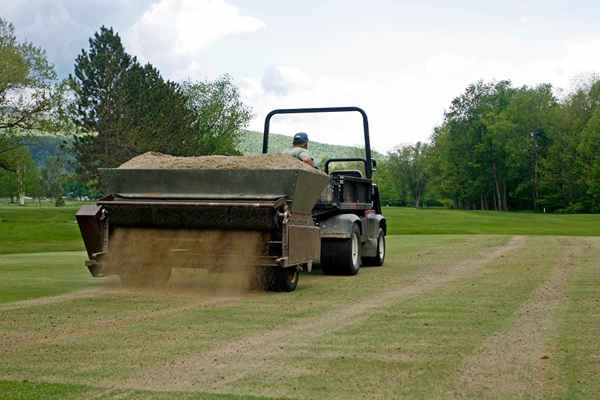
299	149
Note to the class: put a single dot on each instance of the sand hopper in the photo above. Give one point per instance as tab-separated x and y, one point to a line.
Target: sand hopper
270	214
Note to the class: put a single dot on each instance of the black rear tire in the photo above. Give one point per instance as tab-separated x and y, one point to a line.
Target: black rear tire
379	259
341	257
279	279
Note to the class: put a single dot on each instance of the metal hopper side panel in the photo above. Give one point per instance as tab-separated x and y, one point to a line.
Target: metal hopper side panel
191	214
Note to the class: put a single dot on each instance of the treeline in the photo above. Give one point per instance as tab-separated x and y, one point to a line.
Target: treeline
502	147
111	108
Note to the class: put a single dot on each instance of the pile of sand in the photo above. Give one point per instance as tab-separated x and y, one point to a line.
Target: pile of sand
153	160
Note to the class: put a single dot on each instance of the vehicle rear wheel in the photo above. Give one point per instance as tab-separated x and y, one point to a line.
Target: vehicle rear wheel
379	258
341	257
279	279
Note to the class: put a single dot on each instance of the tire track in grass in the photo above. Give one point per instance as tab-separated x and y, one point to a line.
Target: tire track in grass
518	361
225	364
20	342
42	301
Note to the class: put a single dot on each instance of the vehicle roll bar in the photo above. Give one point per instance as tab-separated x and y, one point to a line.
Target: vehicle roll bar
368	162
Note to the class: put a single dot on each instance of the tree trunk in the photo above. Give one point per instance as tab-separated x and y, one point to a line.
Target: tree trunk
497	184
504	197
21	185
495	197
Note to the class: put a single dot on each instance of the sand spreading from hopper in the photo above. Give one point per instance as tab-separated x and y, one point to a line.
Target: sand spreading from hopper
229	256
232	254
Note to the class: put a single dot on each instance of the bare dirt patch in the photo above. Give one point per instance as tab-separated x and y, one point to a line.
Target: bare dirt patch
519	360
232	361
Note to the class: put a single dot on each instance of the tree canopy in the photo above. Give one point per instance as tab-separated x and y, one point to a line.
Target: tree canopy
502	147
126	108
220	116
30	93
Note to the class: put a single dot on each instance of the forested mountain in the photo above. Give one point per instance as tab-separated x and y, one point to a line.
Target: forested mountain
44	146
251	143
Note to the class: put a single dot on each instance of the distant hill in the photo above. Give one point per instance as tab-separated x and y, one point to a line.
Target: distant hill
44	146
251	143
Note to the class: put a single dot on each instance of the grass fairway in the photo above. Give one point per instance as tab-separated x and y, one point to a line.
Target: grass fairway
449	316
483	315
34	229
34	275
442	221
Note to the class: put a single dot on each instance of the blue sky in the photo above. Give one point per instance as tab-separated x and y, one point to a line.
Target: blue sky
403	61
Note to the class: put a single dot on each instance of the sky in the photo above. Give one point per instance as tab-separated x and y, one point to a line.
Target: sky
401	61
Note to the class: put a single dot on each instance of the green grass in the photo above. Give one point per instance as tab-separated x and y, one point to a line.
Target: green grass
411	221
413	347
24	390
33	275
579	340
33	229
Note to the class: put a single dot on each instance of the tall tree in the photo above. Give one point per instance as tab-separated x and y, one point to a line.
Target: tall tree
220	116
488	151
124	108
24	180
53	180
408	168
30	93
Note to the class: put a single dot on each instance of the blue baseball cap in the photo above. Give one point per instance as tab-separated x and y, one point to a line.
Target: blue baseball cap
300	138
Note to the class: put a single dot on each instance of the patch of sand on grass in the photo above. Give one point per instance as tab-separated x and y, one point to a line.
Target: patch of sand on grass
225	364
519	361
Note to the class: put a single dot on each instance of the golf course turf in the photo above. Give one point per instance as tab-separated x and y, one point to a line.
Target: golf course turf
466	309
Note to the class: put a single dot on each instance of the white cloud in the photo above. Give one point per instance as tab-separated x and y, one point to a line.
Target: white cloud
371	94
283	80
406	92
171	33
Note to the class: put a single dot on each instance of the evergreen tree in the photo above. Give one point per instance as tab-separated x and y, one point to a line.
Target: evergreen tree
124	108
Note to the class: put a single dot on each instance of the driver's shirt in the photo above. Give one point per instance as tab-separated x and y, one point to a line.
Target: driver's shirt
298	152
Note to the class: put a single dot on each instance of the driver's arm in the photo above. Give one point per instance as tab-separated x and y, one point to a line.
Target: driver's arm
308	159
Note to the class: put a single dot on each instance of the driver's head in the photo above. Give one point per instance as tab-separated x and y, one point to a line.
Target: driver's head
300	140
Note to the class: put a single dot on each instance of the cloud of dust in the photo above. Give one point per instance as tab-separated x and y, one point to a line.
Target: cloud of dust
212	261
